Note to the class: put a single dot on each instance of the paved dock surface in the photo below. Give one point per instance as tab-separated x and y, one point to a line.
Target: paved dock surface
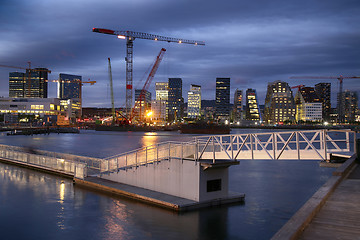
339	218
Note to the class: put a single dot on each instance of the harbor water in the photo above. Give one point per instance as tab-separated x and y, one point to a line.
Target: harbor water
34	205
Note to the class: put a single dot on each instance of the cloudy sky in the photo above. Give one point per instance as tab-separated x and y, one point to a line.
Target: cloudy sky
252	42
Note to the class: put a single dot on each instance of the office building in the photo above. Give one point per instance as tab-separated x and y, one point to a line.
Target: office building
308	105
194	102
142	104
159	112
238	105
279	103
222	98
32	84
252	106
16	84
323	90
69	91
69	86
175	99
46	109
350	106
162	95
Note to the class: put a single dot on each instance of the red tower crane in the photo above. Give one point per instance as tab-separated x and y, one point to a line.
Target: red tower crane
147	83
130	36
340	78
298	86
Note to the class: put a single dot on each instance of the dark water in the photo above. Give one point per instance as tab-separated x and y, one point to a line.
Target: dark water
34	205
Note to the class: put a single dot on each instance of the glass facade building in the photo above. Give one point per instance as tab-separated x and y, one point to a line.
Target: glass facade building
194	101
238	105
32	84
323	90
252	105
175	99
16	85
222	98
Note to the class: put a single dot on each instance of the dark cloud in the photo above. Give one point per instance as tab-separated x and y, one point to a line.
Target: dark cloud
253	42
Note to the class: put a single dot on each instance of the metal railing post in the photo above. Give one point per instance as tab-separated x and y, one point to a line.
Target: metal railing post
231	145
251	147
297	145
213	138
325	145
196	154
157	152
347	141
146	151
169	150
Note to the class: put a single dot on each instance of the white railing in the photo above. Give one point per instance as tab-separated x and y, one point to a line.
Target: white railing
300	145
75	168
150	154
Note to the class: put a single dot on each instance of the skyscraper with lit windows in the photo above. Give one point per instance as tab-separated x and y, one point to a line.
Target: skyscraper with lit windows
279	103
222	98
252	106
175	99
194	101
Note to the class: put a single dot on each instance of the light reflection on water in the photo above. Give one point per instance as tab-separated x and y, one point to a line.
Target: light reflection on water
49	207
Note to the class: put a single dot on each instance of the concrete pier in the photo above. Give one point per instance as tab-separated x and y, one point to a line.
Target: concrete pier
153	197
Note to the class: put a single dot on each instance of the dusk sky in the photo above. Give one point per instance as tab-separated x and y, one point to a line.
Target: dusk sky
252	42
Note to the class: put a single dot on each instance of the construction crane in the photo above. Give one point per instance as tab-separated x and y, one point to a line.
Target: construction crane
130	36
298	87
29	71
111	92
147	84
82	82
340	78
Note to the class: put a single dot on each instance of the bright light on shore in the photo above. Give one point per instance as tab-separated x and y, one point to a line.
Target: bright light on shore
326	123
149	114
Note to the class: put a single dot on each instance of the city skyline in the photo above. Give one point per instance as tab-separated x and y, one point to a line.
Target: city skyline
251	43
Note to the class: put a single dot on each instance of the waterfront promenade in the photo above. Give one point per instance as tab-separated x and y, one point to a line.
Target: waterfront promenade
339	218
332	212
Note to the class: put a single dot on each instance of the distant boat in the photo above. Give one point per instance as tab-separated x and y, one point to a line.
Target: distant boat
204	128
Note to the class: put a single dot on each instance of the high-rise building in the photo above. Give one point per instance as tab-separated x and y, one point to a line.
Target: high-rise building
279	103
162	96
175	99
69	86
238	105
323	90
32	84
162	90
308	105
252	106
16	85
143	105
222	98
37	87
194	101
350	105
69	91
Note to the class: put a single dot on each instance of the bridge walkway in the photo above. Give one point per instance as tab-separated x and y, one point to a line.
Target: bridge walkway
339	218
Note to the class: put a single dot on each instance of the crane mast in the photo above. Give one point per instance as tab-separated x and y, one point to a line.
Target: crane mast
111	93
130	36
